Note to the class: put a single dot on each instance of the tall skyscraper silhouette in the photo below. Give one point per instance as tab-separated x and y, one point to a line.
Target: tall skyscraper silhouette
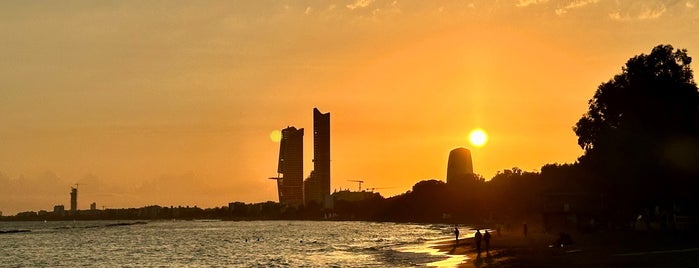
290	185
317	186
73	199
459	164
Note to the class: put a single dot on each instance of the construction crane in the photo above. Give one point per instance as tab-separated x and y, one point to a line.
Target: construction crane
360	183
378	188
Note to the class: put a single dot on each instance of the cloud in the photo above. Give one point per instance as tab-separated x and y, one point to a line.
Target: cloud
689	4
573	5
652	13
616	15
525	3
639	12
360	4
33	192
308	11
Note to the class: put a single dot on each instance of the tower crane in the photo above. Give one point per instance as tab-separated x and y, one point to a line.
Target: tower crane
378	188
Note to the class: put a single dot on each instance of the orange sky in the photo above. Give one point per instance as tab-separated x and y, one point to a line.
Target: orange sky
172	103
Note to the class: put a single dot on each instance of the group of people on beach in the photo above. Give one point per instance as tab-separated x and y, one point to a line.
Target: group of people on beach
478	237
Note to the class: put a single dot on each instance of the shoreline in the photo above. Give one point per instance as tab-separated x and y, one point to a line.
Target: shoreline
500	254
602	249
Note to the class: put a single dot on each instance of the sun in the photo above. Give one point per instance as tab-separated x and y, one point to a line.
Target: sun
275	136
478	137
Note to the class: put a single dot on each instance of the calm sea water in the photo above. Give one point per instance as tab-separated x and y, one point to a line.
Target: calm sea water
221	243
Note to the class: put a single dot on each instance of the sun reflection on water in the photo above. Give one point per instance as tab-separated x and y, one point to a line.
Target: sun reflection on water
431	249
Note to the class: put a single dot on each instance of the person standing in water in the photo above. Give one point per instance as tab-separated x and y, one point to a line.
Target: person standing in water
456	233
478	236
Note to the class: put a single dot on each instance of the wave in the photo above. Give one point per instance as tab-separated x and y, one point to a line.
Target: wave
14	231
125	223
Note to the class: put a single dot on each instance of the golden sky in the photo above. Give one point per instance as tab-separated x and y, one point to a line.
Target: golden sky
172	102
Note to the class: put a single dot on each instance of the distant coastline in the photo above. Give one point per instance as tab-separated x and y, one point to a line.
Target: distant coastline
258	211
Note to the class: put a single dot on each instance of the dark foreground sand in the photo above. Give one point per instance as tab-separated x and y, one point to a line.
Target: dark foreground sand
618	249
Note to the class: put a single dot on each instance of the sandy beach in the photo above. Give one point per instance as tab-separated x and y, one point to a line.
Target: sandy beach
619	249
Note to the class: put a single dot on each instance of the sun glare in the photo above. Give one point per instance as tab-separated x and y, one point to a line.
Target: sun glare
275	136
478	137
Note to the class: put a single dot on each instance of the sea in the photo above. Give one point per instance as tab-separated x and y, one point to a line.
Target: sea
223	244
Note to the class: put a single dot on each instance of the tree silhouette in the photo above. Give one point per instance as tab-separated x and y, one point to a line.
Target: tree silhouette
655	95
640	134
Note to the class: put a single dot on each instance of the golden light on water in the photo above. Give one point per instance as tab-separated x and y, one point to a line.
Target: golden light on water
478	137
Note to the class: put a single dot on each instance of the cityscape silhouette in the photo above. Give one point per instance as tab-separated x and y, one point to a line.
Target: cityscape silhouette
519	133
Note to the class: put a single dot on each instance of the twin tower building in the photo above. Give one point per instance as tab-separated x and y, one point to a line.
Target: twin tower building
292	188
295	191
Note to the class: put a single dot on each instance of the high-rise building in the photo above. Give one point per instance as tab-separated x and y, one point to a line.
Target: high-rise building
290	185
73	199
317	185
460	164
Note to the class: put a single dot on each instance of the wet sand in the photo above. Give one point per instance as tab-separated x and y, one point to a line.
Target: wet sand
620	249
499	255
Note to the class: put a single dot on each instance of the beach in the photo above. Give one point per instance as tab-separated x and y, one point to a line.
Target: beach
601	249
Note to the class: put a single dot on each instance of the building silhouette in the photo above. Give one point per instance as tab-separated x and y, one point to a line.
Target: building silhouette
73	199
59	210
290	184
317	185
459	164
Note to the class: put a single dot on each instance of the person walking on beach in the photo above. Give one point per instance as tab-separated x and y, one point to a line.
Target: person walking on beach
486	237
478	236
456	233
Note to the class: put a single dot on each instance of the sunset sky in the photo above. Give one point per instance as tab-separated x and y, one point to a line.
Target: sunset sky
173	102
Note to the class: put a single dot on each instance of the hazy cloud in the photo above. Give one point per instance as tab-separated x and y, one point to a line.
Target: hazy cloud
639	12
524	3
652	13
33	192
689	4
574	5
308	11
360	4
616	15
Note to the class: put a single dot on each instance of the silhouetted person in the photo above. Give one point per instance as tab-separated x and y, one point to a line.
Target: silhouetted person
486	237
456	233
478	236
